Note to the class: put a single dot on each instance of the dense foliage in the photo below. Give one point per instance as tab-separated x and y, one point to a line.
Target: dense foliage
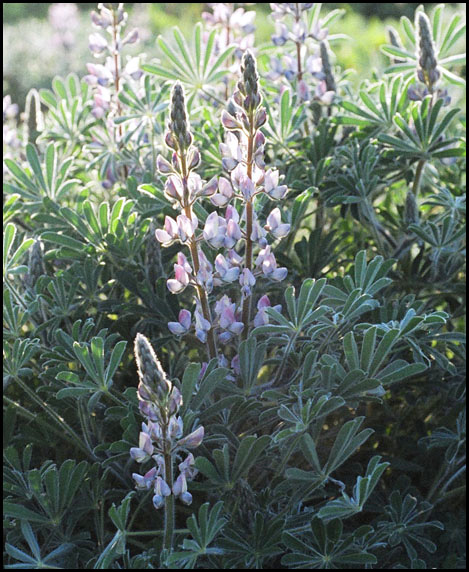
234	301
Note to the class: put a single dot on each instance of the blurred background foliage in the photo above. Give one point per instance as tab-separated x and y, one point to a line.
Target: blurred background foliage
32	29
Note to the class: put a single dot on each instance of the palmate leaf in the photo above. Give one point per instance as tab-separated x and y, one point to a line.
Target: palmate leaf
34	562
115	231
325	547
116	547
11	261
379	104
225	473
346	506
424	139
197	67
49	180
204	531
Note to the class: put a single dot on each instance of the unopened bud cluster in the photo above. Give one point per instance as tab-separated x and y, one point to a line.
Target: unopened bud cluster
310	54
227	233
428	72
161	437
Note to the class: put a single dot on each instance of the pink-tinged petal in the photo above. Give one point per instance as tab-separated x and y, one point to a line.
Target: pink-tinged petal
158	501
194	159
225	187
186	498
176	328
264	302
261	117
192	440
163	166
246	186
231	214
161	488
163	237
236	328
281	231
303	90
174	286
229	122
279	274
210	188
180	485
185	318
219	200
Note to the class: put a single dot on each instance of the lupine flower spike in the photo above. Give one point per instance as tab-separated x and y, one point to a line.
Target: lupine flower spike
161	438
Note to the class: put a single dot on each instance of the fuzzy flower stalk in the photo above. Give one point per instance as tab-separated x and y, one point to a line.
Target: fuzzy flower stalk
107	42
161	439
309	55
184	187
233	245
243	157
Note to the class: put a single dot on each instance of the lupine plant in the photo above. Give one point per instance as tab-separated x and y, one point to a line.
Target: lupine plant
287	262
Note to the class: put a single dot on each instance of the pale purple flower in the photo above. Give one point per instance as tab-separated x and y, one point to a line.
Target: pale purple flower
227	272
161	490
323	95
163	166
180	489
175	428
173	188
267	263
187	467
144	450
210	188
131	37
225	194
275	226
182	326
205	274
193	440
235	364
281	36
175	401
247	281
182	271
215	230
231	151
272	187
262	318
202	325
97	44
247	187
145	482
170	232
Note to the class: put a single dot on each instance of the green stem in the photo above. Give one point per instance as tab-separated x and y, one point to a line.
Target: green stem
418	177
53	415
202	294
246	311
168	503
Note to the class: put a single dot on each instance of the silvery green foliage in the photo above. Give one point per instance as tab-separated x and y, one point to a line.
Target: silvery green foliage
323	426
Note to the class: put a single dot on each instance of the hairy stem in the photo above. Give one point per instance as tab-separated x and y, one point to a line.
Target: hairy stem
418	177
201	293
246	312
168	503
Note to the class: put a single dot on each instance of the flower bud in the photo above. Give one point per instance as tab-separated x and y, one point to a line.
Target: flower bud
149	368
